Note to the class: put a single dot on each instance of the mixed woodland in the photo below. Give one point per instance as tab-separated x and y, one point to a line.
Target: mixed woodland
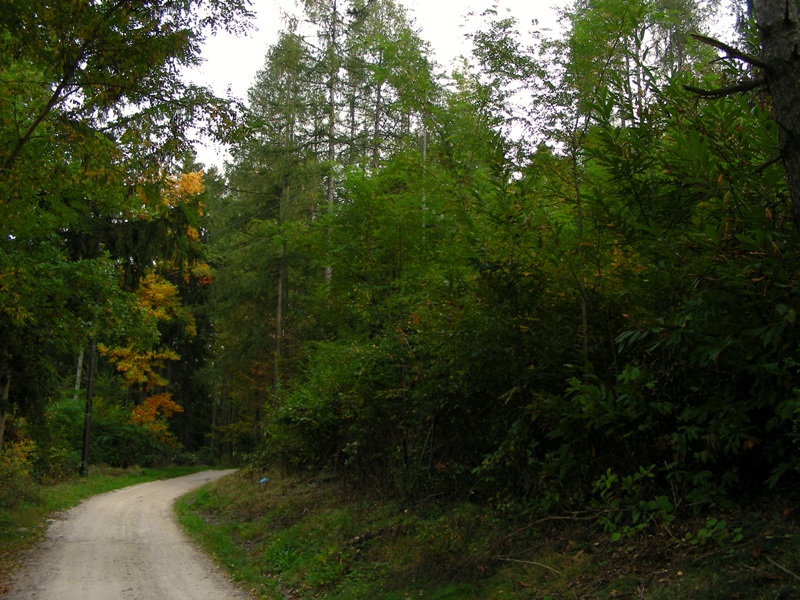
559	273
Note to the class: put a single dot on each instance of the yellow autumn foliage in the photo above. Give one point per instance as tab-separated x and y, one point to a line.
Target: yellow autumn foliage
137	367
158	297
192	233
183	188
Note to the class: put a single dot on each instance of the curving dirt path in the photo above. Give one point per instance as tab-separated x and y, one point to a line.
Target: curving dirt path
124	545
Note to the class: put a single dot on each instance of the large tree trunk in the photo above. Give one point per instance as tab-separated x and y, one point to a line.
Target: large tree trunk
779	28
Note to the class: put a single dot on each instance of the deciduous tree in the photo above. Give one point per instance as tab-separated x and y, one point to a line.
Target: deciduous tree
93	112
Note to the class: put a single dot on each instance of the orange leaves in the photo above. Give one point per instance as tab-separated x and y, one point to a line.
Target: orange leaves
160	405
158	300
153	413
205	276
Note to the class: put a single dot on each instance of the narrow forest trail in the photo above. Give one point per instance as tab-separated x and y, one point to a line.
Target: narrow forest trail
124	545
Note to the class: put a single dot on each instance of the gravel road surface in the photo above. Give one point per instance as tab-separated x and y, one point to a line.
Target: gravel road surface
124	545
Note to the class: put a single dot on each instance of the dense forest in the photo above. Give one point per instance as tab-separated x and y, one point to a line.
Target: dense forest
563	272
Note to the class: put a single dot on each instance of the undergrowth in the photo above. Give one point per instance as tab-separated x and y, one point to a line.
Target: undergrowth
290	537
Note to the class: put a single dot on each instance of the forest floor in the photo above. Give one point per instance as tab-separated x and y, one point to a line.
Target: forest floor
296	538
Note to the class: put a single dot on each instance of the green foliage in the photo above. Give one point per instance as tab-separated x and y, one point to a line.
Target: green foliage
16	482
715	531
125	444
115	440
59	439
624	504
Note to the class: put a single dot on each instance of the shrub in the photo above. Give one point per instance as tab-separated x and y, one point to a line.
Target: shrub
16	483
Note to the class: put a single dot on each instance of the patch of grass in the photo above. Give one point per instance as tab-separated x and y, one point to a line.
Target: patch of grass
313	538
310	538
198	514
23	525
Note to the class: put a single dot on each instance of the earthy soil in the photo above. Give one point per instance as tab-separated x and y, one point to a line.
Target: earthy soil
124	545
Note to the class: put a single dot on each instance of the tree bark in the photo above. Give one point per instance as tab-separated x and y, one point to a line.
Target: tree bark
78	372
580	275
281	300
779	28
376	128
5	386
87	416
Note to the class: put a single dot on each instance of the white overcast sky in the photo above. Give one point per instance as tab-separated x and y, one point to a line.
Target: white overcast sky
231	63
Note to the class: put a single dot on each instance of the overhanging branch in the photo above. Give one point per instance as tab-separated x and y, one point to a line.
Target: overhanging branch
744	86
731	51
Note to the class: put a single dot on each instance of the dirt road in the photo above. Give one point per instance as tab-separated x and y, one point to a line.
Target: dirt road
124	545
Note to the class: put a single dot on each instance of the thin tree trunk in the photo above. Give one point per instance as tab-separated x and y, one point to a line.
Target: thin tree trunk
276	381
87	417
332	81
376	128
5	386
214	402
78	372
352	125
424	183
223	420
581	278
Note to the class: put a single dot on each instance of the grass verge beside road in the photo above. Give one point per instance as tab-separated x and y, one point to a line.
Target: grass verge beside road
289	537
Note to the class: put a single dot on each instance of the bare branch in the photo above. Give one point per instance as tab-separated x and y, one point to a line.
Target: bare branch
744	86
784	569
531	562
764	166
731	51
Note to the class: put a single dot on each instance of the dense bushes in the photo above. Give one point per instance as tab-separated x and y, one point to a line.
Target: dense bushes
48	449
16	481
469	373
601	313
